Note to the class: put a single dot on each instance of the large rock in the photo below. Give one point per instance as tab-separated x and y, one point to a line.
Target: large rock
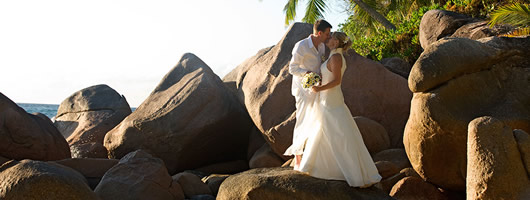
263	84
3	160
480	29
386	168
396	156
234	79
398	66
43	116
437	24
454	81
255	142
374	134
495	169
230	167
191	184
138	175
93	169
387	183
28	136
87	115
523	142
190	120
283	183
214	181
88	150
371	91
265	157
30	179
176	190
417	189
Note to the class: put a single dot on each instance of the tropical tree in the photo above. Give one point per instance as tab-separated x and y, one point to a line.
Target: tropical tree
363	7
396	11
370	12
316	8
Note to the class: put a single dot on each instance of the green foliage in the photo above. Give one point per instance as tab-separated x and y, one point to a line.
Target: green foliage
364	17
373	40
377	43
515	14
478	8
402	42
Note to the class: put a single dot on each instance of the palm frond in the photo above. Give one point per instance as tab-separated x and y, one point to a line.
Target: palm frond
361	14
516	14
364	17
314	10
290	11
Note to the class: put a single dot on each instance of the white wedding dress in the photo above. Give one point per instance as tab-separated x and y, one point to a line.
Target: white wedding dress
334	148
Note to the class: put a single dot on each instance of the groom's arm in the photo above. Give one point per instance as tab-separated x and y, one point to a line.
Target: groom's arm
296	62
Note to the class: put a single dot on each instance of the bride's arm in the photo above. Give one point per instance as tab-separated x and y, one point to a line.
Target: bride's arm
335	65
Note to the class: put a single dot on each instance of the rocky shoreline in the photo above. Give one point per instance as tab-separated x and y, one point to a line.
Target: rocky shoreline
452	126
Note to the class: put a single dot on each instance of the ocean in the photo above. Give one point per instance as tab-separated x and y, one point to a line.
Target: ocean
49	110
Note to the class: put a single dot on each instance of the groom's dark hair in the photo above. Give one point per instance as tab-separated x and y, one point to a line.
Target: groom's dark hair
321	25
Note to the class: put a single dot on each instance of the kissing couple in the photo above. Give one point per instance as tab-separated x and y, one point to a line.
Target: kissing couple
327	143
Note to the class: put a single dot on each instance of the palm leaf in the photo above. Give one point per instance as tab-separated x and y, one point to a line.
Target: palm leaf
314	10
515	14
361	14
290	11
364	17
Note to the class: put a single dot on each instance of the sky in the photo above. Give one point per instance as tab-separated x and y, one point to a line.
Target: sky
52	49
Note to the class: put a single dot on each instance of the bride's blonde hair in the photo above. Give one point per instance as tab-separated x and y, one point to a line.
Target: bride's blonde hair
344	41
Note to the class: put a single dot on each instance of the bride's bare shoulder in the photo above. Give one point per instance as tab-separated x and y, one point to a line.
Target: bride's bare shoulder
334	62
336	59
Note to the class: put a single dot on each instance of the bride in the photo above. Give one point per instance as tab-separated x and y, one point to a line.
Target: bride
334	148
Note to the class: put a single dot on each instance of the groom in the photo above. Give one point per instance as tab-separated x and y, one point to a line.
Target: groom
307	57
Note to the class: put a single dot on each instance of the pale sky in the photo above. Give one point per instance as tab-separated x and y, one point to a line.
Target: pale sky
51	49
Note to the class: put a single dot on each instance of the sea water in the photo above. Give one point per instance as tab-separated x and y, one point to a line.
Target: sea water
49	110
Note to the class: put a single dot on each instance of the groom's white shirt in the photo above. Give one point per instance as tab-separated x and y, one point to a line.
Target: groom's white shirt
305	58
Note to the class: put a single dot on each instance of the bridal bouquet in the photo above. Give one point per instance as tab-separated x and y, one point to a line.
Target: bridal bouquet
310	79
